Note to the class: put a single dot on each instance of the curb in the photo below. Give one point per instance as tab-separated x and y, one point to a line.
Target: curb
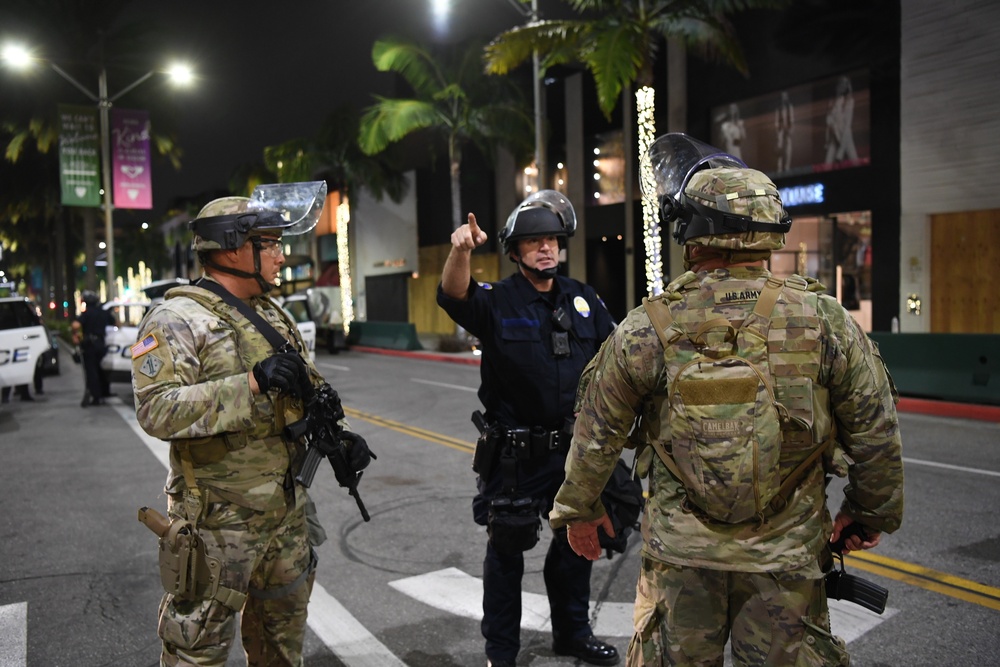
923	406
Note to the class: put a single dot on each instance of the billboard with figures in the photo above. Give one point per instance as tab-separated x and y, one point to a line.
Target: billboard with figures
815	127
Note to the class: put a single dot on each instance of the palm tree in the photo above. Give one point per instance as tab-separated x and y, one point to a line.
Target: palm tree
618	42
335	156
451	99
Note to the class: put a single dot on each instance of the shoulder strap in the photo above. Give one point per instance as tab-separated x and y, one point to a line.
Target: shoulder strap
780	500
661	319
276	340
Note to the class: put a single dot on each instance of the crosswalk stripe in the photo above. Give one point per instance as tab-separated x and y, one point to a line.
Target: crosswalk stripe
461	594
14	634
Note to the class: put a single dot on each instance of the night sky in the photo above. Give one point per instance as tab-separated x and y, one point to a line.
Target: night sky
267	72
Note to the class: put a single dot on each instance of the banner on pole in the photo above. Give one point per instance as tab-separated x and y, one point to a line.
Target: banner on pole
130	159
79	156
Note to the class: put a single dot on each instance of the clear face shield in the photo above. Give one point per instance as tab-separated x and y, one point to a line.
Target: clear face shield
298	204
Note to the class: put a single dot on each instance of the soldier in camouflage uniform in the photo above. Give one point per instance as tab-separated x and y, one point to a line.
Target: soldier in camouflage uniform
759	583
206	380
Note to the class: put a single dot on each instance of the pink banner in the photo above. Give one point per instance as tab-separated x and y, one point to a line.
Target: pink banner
130	159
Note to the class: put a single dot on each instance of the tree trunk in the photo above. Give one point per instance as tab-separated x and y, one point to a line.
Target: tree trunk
455	162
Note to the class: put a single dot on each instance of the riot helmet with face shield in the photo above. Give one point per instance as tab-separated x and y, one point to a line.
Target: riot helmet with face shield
272	210
543	213
713	199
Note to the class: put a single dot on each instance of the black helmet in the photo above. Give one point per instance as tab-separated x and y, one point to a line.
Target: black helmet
90	298
544	213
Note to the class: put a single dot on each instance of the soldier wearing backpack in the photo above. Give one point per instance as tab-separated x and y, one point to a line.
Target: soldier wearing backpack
751	391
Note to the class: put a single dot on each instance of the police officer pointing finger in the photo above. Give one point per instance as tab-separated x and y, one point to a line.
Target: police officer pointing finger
538	331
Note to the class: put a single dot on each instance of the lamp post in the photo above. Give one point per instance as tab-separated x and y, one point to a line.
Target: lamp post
20	57
536	89
440	10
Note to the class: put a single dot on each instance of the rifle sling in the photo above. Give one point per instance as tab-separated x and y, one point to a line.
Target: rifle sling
276	340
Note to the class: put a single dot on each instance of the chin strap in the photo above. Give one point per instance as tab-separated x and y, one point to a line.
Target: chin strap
544	274
265	286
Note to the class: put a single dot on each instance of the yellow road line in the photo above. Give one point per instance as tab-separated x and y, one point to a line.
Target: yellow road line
406	429
908	573
932	580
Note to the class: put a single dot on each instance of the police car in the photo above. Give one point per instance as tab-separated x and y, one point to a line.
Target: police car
122	335
297	305
23	341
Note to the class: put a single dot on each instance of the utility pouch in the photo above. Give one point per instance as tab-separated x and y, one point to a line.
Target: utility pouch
186	571
513	525
485	458
487	447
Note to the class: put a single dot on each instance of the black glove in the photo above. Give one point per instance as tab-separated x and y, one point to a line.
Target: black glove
331	402
281	371
358	453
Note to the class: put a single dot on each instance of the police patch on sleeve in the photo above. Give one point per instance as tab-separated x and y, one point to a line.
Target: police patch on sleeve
143	346
581	306
150	366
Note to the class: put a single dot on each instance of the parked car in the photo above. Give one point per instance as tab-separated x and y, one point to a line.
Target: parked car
297	305
23	341
120	337
323	307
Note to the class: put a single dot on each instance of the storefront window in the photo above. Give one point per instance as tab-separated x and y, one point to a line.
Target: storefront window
835	249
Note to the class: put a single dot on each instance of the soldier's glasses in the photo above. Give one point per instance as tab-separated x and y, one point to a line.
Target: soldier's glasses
272	247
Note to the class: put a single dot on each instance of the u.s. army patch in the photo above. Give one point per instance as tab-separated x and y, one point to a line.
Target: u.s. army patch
150	366
143	346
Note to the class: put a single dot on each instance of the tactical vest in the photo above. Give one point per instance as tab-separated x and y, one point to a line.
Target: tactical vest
742	416
251	348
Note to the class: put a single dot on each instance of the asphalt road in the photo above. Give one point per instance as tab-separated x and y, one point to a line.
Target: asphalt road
79	584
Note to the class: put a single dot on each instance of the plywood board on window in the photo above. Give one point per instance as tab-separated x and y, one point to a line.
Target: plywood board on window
965	269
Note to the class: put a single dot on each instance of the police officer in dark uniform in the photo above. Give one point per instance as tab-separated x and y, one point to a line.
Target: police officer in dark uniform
88	334
538	330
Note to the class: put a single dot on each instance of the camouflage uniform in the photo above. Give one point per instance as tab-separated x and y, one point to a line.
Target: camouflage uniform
760	582
191	387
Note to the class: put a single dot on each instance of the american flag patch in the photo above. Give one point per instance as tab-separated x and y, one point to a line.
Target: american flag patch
144	346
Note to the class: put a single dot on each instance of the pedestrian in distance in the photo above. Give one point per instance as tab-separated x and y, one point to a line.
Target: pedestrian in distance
209	380
88	335
750	391
538	330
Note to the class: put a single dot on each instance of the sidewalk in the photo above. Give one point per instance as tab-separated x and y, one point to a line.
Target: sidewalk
431	352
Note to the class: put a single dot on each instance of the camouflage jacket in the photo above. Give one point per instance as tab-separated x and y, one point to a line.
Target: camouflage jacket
189	375
811	337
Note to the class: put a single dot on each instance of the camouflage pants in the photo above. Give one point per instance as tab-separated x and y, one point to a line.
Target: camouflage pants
260	552
684	616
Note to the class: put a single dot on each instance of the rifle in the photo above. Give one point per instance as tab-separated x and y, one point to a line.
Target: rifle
843	586
322	435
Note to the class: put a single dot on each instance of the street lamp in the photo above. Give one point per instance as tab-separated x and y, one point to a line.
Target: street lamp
20	57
